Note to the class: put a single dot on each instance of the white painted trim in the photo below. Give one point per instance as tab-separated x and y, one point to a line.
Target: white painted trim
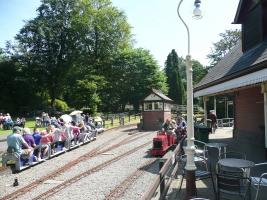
249	79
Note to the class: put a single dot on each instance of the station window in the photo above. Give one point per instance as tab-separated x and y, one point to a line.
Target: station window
148	106
153	106
158	106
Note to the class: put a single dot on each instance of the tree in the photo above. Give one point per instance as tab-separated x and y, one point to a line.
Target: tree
134	73
104	32
198	71
228	40
17	93
72	36
47	45
172	70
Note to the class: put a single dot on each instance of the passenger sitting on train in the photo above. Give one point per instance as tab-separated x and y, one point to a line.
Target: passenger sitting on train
91	127
83	130
168	127
15	142
181	127
27	136
68	131
44	148
36	136
59	138
76	132
181	123
47	138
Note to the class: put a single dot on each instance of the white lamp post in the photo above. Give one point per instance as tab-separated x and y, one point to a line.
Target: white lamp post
190	148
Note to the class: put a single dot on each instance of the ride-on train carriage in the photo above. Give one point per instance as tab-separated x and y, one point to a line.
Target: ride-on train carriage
162	142
19	163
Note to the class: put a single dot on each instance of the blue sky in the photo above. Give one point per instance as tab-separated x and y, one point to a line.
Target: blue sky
155	24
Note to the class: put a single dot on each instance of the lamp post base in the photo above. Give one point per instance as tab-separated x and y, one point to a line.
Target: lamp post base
191	191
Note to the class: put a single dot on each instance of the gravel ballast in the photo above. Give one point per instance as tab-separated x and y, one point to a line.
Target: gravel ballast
99	183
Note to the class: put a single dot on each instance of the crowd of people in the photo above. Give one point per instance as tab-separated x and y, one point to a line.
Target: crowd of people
7	123
58	135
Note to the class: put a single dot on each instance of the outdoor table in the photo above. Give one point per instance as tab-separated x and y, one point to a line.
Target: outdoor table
243	164
219	146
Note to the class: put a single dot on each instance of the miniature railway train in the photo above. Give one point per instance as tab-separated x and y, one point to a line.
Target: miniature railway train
19	163
164	141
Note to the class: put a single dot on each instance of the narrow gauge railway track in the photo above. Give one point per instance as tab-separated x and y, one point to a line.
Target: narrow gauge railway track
120	189
95	169
94	152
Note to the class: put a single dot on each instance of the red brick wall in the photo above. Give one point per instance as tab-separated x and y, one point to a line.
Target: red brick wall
153	119
249	114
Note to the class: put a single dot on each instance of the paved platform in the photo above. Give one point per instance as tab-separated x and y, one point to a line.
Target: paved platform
204	188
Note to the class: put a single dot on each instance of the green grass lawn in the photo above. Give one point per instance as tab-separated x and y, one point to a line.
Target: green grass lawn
116	123
30	123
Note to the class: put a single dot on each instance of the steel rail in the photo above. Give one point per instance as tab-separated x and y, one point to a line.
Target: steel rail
120	189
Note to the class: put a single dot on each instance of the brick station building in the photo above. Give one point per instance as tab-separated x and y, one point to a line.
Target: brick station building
242	74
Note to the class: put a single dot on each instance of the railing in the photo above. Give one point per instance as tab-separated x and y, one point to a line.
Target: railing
119	119
225	122
183	108
168	169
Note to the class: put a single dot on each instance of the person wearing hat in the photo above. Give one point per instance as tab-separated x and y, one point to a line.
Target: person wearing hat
15	142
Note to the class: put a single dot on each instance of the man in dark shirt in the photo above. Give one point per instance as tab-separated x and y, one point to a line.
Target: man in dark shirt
213	119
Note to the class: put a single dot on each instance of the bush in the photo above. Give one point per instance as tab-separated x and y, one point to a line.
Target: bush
61	105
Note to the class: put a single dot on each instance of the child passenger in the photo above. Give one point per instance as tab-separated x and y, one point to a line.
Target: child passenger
76	132
46	139
59	137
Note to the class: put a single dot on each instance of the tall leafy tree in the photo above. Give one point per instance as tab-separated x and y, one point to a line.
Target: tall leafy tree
67	36
104	32
48	45
134	73
228	39
176	88
199	71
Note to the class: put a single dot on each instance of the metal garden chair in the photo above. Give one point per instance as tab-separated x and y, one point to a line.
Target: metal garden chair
259	177
232	185
202	172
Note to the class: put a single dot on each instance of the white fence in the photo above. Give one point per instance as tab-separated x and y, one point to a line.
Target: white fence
182	108
225	122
